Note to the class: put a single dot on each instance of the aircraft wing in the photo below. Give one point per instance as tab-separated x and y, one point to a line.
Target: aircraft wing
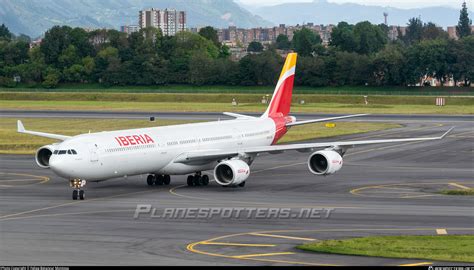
303	147
21	129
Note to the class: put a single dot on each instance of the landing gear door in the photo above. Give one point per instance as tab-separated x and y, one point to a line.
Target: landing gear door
94	153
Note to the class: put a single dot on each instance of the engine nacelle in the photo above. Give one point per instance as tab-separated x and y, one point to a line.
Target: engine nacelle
43	155
231	172
324	162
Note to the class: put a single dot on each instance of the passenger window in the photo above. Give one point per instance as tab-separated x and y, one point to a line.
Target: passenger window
55	152
62	152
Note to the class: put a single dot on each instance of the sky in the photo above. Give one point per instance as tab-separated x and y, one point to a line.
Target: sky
393	3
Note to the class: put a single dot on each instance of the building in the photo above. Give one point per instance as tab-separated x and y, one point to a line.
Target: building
169	21
242	37
36	43
452	33
395	31
129	29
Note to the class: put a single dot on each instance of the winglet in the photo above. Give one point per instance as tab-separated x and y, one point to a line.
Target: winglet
446	133
20	126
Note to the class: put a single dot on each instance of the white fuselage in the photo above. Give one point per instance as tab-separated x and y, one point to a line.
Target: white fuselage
106	155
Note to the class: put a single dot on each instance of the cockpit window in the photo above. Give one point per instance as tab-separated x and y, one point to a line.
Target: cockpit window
63	152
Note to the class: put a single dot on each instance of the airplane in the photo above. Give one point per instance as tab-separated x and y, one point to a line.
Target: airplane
226	147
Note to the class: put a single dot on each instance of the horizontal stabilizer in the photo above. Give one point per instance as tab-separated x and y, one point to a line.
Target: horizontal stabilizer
323	120
238	116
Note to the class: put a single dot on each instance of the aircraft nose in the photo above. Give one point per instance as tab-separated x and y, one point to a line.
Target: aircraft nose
59	166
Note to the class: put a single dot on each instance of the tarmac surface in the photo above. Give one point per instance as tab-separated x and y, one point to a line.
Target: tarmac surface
381	190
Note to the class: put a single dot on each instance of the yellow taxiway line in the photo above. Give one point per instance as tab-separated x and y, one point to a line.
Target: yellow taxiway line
237	244
459	186
262	255
283	236
416	264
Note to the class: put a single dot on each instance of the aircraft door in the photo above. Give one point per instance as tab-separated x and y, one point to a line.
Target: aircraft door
94	153
238	136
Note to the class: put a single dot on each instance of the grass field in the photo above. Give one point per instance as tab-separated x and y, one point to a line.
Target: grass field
457	248
463	192
374	100
223	107
28	144
332	90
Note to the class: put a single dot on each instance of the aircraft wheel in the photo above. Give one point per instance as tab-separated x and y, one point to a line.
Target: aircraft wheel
197	180
205	180
159	180
242	184
149	180
74	194
190	180
166	179
81	195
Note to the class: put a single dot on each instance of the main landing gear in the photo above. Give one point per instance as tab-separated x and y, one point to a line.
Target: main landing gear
77	184
198	180
158	179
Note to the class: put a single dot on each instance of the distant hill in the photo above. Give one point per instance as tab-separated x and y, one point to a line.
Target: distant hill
323	12
34	17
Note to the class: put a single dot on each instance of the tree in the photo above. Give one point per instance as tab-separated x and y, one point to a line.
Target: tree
432	31
14	52
282	42
5	34
89	66
260	69
414	31
312	71
342	37
199	75
68	57
388	66
80	39
210	33
350	68
304	41
75	73
255	46
54	42
24	38
461	56
51	79
464	25
368	38
428	57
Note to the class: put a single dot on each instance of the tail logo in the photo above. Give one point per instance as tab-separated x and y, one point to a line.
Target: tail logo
281	100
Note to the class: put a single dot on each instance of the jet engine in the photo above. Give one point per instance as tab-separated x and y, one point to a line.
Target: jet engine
42	156
231	172
324	162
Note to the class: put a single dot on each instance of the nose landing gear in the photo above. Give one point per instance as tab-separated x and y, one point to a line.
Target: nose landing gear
77	184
